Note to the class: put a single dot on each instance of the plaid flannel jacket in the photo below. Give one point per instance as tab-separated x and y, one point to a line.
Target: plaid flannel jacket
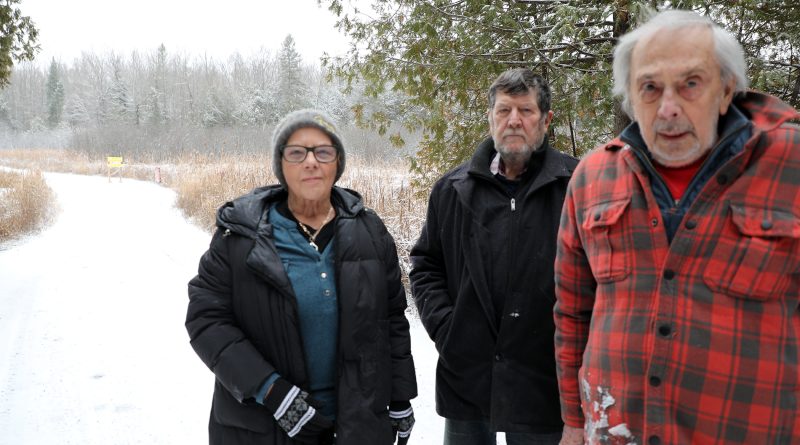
694	341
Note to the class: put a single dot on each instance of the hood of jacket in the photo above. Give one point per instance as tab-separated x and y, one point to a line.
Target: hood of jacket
245	214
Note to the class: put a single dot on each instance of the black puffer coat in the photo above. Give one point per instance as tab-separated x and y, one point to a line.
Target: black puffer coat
243	323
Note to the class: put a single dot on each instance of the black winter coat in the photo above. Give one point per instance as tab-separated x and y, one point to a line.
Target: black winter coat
243	323
479	240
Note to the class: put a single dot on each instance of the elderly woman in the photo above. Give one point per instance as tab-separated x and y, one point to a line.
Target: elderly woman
298	308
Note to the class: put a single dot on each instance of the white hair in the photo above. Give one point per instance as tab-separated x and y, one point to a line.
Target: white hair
728	51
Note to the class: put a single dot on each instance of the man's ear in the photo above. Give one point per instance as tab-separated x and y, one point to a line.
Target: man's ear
548	119
727	96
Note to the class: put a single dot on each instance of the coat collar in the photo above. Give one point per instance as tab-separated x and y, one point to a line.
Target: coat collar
542	161
545	168
767	112
247	214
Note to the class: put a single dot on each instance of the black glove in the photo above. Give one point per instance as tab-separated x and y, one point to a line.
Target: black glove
402	417
294	411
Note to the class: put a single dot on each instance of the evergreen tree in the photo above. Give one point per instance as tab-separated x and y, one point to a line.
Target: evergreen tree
154	108
5	116
443	55
18	36
331	100
55	96
217	112
292	91
119	103
256	109
770	34
76	113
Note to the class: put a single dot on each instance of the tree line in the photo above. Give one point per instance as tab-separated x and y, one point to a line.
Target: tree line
417	73
162	103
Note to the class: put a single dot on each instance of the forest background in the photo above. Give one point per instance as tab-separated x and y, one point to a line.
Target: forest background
417	73
409	96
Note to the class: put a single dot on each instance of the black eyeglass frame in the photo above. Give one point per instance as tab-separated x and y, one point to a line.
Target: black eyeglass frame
312	150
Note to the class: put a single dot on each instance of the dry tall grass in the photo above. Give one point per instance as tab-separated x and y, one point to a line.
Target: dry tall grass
67	161
26	203
204	182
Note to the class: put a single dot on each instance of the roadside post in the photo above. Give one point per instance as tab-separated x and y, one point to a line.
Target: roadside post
114	167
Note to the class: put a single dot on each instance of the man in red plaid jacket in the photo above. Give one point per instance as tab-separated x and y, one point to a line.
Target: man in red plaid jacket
678	265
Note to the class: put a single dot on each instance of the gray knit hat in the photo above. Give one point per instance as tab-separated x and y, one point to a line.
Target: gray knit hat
301	119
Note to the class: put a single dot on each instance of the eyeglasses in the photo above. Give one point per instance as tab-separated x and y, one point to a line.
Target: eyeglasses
297	153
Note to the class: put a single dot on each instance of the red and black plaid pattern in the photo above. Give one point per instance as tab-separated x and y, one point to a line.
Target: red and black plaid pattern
693	342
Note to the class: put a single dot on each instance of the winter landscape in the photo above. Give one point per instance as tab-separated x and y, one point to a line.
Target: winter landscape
92	344
93	272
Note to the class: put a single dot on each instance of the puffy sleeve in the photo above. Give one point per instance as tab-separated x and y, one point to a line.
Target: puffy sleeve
213	329
428	276
404	380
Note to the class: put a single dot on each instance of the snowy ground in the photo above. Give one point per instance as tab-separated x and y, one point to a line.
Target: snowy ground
92	344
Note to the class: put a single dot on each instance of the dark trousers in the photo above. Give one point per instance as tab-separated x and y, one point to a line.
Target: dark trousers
477	432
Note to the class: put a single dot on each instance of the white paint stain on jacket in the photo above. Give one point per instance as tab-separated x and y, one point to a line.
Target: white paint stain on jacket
597	428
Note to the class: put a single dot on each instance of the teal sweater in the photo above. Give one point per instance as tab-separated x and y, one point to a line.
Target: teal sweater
312	276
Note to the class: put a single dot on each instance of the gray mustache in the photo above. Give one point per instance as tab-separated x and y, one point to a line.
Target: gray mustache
673	127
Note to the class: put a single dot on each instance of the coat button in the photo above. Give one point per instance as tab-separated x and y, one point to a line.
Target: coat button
664	330
766	224
655	381
654	222
654	440
323	275
597	217
327	292
691	224
498	357
669	274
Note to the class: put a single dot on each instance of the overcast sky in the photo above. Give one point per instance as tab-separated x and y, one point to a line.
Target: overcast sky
215	28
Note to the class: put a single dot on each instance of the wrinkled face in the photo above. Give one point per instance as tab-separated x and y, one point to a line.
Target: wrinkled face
517	125
677	94
309	180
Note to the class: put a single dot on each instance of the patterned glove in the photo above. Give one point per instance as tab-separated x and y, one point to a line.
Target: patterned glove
402	417
294	411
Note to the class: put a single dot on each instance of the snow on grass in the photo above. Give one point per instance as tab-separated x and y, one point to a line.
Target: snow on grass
92	344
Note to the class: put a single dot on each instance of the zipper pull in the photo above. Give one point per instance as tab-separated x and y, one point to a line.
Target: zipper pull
513	204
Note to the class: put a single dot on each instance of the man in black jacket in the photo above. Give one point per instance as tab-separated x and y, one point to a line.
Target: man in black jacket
482	274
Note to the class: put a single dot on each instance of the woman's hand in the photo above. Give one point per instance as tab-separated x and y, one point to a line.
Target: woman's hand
294	411
402	417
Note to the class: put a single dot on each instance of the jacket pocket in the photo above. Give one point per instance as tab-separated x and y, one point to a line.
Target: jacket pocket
443	333
758	258
606	246
227	411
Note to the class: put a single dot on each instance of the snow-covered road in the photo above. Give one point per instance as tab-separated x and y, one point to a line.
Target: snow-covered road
92	344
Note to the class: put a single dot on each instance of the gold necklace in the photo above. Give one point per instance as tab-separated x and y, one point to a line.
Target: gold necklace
312	237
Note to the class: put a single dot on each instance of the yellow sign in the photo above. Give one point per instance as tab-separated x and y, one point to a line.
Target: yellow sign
114	161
